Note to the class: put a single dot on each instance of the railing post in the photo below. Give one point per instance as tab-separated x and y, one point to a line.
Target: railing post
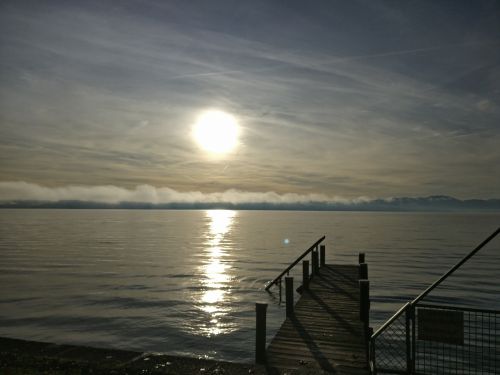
364	309
322	255
413	338
408	339
260	332
280	289
364	295
315	263
369	355
289	296
372	358
361	258
363	271
305	274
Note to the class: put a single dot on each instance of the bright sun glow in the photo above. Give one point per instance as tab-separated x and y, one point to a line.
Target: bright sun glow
216	132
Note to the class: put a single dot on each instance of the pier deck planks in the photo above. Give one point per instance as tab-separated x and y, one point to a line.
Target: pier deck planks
325	332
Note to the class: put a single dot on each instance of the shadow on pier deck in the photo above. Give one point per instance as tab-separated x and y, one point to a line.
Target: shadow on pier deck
324	331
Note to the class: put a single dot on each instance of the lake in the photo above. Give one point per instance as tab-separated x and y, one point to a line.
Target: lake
186	282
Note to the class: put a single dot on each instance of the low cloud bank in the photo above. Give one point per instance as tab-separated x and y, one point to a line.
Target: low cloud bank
22	194
20	190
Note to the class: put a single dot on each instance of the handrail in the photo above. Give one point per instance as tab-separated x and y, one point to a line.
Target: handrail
410	307
390	320
295	262
456	266
434	285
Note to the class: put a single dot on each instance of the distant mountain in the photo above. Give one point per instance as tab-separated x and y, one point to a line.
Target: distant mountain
431	203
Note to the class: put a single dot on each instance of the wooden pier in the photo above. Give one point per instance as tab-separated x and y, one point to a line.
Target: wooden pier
326	331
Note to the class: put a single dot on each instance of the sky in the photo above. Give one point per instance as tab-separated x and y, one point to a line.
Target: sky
337	100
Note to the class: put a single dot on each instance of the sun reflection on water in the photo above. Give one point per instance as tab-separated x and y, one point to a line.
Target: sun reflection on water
216	277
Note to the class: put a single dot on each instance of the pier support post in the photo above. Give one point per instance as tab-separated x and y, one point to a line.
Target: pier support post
364	299
289	296
363	271
364	310
315	262
279	283
305	274
322	255
260	332
361	258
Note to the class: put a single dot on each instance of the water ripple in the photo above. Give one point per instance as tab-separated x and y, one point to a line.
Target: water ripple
185	282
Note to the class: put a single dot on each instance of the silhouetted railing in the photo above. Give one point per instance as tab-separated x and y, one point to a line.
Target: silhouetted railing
433	339
313	248
321	297
261	308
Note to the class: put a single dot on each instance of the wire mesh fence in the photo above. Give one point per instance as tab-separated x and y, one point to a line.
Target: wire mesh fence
389	348
434	339
438	339
463	341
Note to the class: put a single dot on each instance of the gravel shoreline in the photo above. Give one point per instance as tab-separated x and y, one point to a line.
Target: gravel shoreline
30	357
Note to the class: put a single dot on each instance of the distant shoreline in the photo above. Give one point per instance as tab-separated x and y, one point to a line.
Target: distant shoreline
429	204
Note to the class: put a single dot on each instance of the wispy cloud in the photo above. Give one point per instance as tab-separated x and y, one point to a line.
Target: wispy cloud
107	95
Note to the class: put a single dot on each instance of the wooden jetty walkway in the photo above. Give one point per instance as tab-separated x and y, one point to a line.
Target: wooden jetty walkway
326	331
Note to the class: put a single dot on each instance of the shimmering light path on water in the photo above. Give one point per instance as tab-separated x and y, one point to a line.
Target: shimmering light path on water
185	282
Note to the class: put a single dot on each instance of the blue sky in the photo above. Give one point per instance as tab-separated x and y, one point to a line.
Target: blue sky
341	99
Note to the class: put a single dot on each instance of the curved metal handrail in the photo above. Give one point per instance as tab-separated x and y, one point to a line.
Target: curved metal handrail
293	264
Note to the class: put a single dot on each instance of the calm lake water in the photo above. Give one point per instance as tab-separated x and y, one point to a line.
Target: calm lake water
185	282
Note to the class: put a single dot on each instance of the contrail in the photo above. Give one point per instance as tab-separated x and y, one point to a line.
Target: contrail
334	60
417	50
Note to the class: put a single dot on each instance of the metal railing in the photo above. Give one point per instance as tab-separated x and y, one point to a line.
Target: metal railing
472	349
261	308
436	339
314	261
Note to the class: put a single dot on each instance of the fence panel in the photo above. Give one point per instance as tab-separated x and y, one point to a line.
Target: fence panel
457	340
389	349
437	340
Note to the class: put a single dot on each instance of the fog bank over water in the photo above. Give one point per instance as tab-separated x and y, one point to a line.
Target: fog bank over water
22	194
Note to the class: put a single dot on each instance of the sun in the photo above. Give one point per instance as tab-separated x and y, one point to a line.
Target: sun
216	132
